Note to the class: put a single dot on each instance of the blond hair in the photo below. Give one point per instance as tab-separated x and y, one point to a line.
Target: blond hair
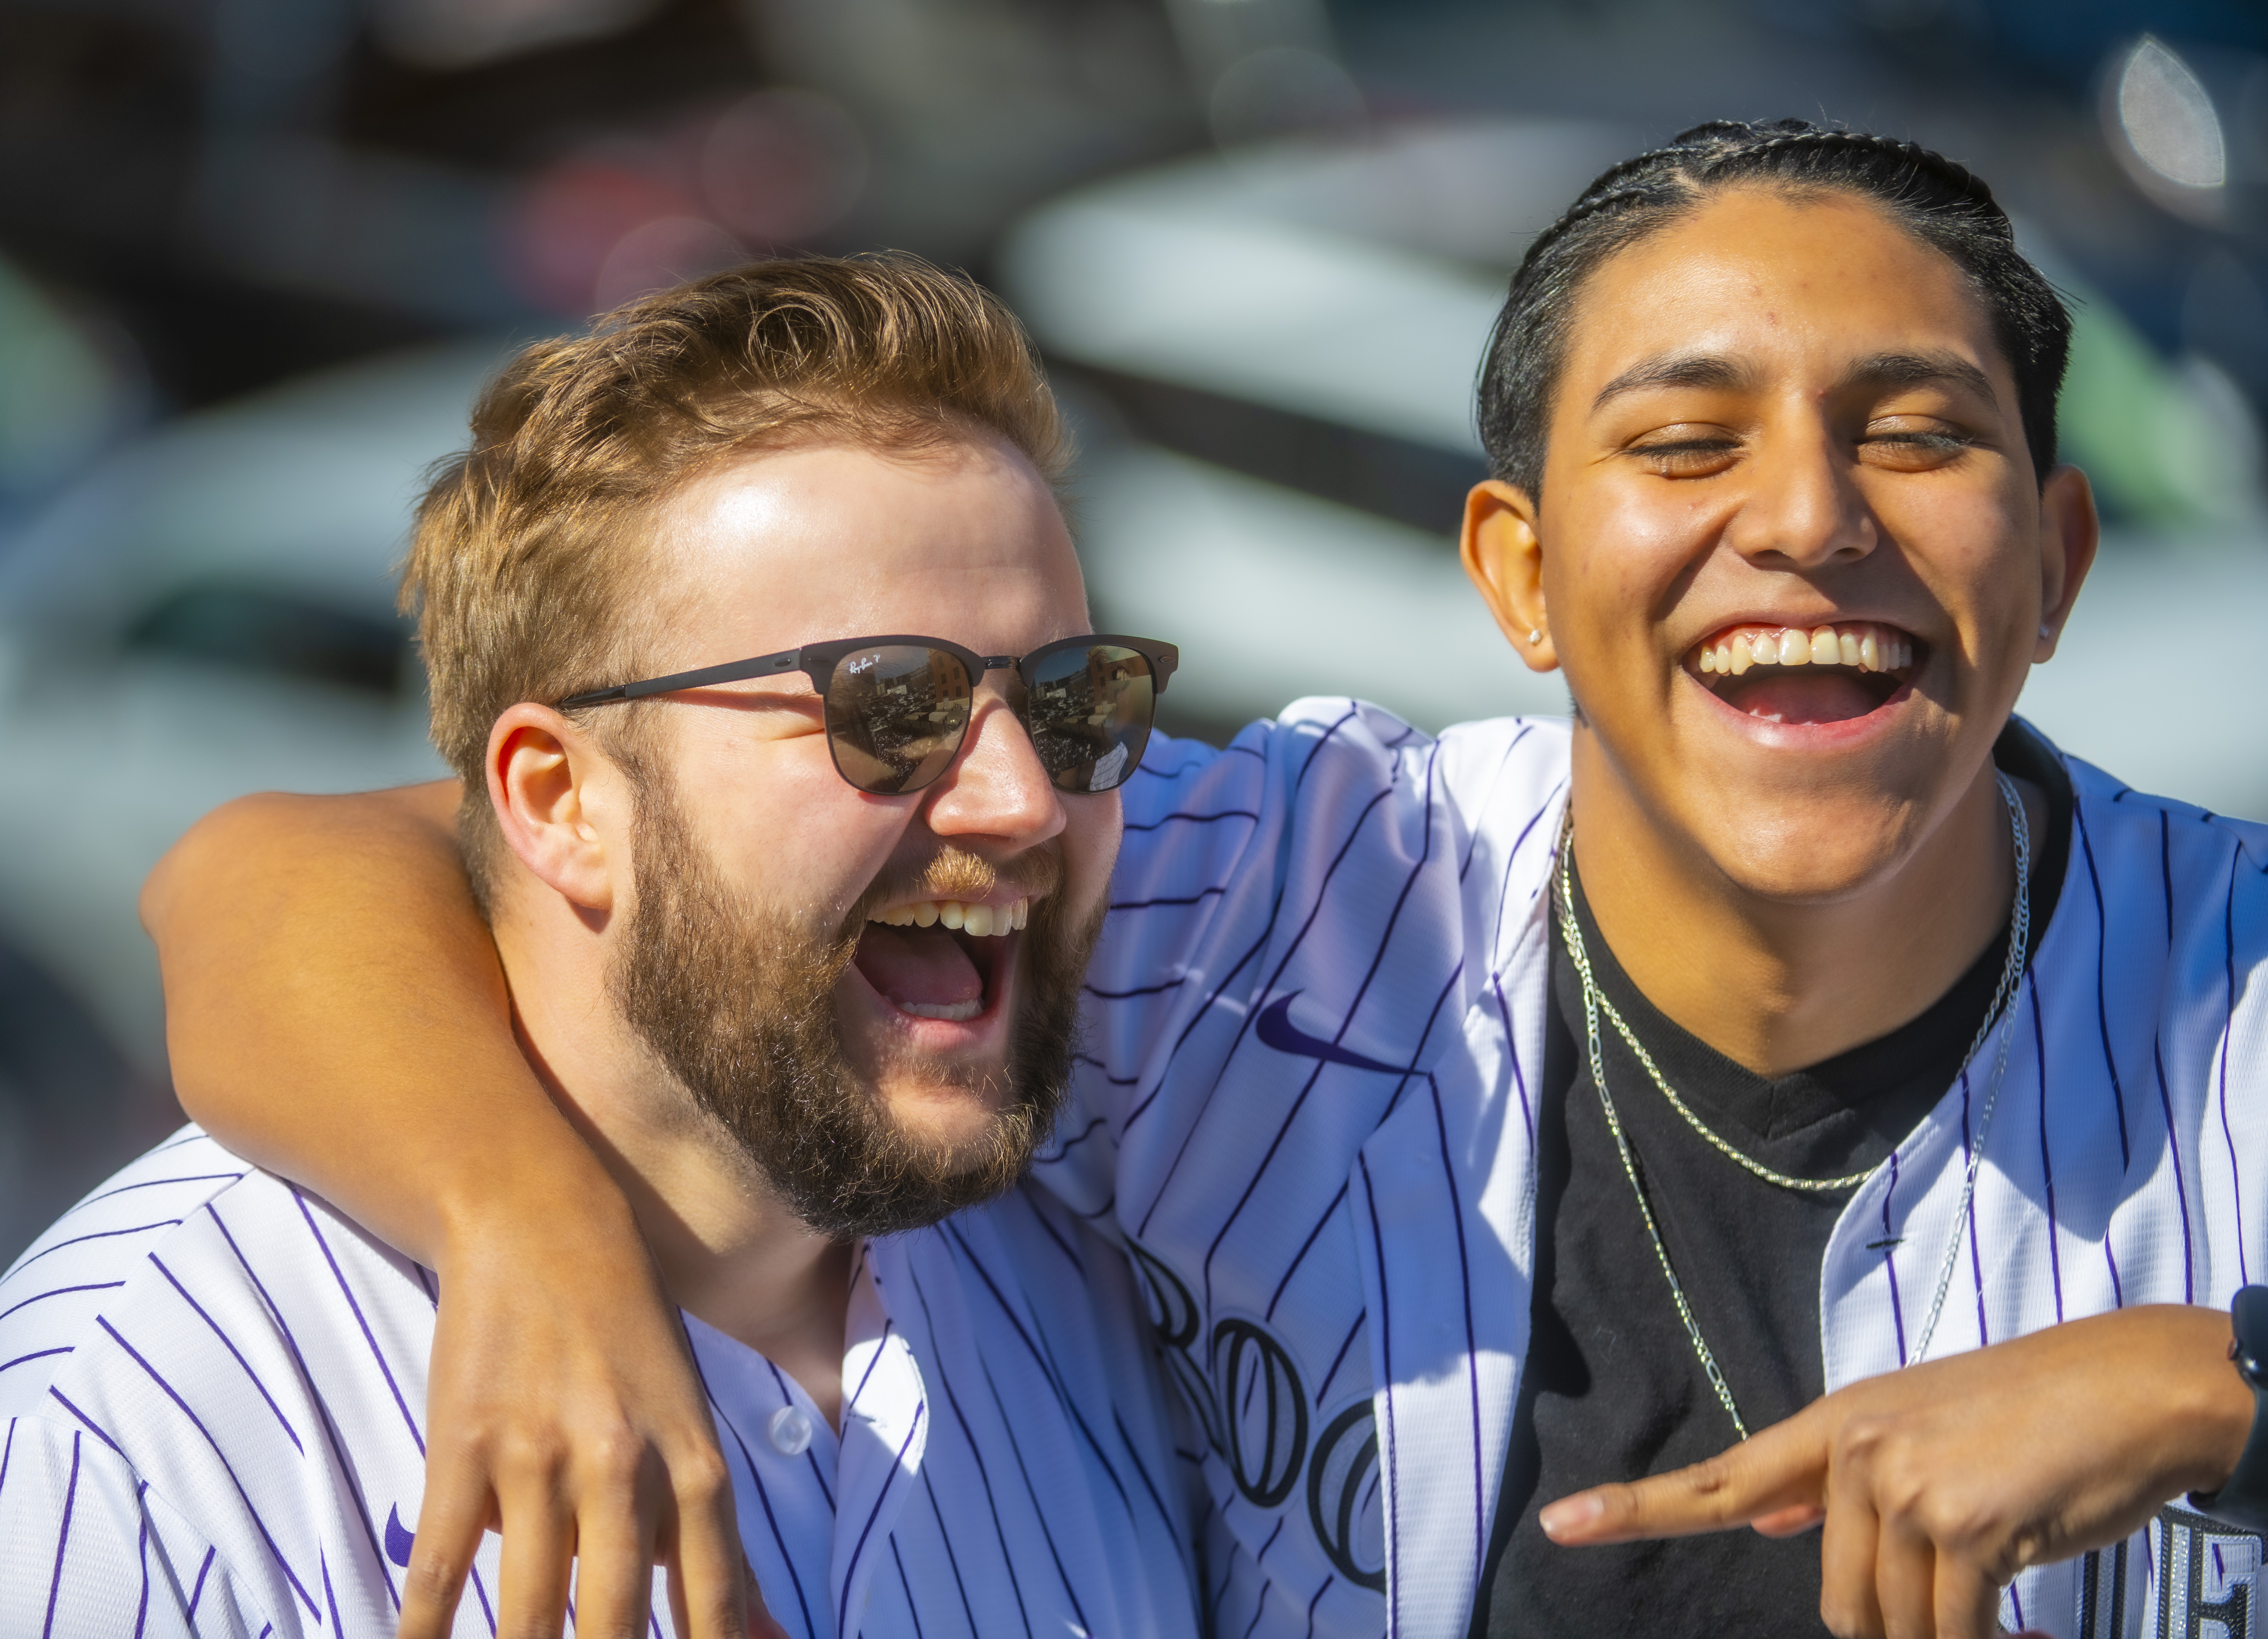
528	567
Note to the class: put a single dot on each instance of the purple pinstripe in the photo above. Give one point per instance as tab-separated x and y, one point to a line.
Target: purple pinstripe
377	1354
2181	1188
2047	1166
984	1474
2235	1172
159	1183
842	1611
142	1556
227	1468
238	1354
98	1235
1502	763
36	1355
62	1540
1504	890
1889	1258
91	1286
331	1437
1386	1360
725	1421
1465	1280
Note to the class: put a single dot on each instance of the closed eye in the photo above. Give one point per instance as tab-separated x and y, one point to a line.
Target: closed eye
1916	450
1686	458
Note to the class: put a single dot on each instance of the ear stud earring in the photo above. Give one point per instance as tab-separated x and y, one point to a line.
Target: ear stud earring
2044	632
1536	634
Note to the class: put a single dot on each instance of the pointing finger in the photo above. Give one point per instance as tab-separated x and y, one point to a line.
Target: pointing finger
1774	1475
1788	1522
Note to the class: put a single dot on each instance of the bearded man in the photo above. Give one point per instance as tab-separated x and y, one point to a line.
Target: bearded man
1794	1046
215	1386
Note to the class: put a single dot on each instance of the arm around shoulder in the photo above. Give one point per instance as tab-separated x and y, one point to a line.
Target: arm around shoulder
336	1011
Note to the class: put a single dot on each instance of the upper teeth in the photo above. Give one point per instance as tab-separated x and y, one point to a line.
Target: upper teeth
982	921
1863	645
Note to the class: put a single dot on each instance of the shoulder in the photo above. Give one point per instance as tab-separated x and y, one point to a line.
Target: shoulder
52	1297
1287	798
1326	757
191	1264
241	1355
1498	768
1316	751
96	1550
2204	874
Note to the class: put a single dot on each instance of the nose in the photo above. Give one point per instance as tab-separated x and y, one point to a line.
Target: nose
997	787
1801	509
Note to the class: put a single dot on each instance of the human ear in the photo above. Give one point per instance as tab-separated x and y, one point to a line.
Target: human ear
558	802
1503	552
2069	533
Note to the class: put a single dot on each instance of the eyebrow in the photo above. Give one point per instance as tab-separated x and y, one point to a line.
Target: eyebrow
1724	374
1918	370
1678	370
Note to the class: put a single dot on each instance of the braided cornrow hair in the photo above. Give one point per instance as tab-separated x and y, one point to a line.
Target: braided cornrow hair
1942	204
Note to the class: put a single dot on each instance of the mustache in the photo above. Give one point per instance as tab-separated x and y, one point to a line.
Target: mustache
955	873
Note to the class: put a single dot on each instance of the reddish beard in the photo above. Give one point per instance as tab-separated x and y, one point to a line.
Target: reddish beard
741	1012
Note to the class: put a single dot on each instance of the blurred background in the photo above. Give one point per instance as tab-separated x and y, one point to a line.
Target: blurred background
255	256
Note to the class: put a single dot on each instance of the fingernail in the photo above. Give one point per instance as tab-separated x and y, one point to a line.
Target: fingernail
1570	1514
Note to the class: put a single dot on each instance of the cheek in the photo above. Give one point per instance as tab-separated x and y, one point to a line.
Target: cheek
787	830
1975	553
1623	548
1092	827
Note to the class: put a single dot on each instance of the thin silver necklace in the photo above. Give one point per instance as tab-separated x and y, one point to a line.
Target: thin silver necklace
2002	1011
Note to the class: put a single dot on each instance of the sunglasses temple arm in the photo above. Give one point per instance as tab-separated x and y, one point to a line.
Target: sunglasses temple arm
731	671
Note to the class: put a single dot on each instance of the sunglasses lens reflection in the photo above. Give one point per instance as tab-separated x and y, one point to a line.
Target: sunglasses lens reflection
1089	715
896	716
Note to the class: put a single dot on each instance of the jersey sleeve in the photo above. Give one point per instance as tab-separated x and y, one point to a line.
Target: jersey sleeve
1191	821
1194	821
87	1551
1213	839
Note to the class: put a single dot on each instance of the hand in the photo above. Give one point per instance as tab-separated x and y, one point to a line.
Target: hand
1937	1484
564	1410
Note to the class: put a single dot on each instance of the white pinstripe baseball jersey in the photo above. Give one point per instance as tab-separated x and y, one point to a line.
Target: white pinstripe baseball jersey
1305	1105
212	1393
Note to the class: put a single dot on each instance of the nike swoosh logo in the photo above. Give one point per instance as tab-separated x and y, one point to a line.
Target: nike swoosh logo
1276	1030
398	1541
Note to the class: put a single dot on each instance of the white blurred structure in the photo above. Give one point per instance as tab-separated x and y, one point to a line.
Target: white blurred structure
209	612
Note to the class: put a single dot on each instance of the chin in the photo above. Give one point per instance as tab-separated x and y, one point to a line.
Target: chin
1814	851
945	1117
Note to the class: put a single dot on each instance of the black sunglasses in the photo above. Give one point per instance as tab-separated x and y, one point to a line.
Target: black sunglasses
898	708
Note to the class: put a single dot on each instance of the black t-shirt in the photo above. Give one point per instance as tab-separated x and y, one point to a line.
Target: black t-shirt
1612	1390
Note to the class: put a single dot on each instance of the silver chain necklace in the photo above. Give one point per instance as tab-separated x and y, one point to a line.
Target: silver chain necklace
2002	1011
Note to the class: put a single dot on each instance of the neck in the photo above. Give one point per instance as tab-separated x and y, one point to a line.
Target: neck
730	1251
1776	985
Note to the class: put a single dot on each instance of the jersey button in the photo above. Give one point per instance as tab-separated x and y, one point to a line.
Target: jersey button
791	1431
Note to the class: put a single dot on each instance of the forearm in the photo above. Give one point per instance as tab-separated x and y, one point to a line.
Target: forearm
335	1012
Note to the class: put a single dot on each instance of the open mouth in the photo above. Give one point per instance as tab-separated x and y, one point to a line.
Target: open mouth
1797	674
942	958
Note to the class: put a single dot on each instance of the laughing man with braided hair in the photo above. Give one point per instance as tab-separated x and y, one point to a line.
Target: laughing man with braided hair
1791	1094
